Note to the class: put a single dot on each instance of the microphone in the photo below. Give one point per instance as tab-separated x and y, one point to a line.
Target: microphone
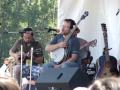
51	29
118	12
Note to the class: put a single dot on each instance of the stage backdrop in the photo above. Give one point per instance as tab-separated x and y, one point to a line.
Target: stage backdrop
100	11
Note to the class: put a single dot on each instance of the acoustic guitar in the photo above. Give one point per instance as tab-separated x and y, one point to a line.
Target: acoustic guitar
106	64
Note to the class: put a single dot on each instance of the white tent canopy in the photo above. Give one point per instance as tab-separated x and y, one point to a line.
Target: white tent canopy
100	11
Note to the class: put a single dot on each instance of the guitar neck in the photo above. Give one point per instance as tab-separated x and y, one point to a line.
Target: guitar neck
106	50
75	27
105	41
70	34
85	45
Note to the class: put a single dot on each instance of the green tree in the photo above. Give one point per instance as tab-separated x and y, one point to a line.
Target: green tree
18	14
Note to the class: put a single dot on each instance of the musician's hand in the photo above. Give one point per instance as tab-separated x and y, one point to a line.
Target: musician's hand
16	56
57	66
62	44
32	82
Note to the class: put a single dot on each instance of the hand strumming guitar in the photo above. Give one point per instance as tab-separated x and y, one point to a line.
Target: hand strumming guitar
53	47
17	56
62	44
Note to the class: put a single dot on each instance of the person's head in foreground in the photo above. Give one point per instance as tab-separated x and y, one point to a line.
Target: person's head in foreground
106	84
8	84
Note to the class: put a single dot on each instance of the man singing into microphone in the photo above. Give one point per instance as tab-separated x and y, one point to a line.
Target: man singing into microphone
72	46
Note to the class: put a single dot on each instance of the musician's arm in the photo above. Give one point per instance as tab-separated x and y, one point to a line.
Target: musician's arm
74	51
52	47
15	55
14	50
54	44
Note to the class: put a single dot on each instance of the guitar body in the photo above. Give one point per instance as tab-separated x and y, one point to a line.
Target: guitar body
105	70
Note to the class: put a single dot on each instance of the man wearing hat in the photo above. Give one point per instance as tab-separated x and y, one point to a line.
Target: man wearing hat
35	71
27	41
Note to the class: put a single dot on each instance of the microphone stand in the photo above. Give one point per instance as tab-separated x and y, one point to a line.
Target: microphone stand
21	62
0	46
31	68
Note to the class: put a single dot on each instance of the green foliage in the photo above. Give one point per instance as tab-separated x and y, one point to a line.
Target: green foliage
18	14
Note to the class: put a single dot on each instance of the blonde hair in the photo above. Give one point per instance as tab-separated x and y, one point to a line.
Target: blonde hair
8	84
111	83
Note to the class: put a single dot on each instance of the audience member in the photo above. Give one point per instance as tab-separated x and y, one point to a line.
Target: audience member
111	83
8	84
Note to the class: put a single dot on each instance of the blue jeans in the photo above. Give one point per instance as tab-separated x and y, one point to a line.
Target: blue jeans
64	65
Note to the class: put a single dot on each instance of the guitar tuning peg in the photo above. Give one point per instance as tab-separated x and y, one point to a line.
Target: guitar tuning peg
86	13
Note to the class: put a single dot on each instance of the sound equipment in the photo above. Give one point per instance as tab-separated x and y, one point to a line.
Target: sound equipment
62	79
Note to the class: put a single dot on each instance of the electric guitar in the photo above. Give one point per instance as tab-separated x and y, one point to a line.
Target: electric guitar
59	55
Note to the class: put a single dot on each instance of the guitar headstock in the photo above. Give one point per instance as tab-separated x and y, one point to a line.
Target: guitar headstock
84	15
93	43
105	36
104	27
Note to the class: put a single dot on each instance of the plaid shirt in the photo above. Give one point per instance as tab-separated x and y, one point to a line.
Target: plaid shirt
36	70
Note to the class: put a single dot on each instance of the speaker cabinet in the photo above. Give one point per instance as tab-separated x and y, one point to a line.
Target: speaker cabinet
64	79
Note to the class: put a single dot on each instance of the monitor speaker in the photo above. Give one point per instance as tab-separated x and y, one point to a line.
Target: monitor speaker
63	78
